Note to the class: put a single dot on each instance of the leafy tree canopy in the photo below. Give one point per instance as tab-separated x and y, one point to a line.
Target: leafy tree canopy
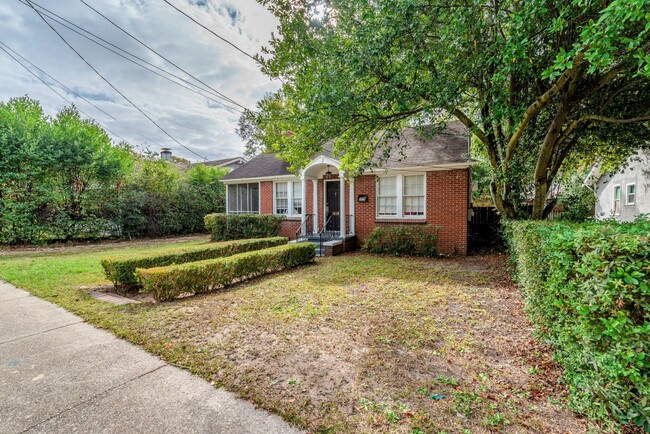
539	83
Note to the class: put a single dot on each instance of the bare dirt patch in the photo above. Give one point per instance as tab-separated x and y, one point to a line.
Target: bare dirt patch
361	343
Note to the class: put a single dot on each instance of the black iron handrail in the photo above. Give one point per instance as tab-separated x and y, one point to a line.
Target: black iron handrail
320	233
305	227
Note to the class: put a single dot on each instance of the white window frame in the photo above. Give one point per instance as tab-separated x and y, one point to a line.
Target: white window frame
290	198
396	196
619	199
399	190
259	199
627	193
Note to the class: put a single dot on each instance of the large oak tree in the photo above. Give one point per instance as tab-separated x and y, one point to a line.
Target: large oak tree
538	82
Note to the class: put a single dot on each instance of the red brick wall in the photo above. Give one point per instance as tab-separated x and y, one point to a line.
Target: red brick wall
447	203
291	225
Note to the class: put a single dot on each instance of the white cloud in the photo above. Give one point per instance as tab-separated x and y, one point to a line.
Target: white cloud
202	125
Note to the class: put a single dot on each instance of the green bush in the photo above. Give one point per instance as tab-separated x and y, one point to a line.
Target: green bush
167	283
403	240
588	293
121	270
237	226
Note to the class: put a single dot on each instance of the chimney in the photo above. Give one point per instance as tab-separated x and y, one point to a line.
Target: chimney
165	154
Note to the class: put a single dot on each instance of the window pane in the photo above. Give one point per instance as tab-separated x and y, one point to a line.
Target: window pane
281	206
387	206
617	192
232	198
414	185
281	190
297	190
413	205
254	197
387	186
242	197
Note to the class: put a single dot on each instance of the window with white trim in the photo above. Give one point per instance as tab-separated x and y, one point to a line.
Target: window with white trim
617	199
281	198
630	196
387	196
413	195
296	198
288	198
243	198
401	196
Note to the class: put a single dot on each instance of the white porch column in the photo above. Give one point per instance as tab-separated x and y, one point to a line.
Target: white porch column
303	205
352	205
342	206
314	185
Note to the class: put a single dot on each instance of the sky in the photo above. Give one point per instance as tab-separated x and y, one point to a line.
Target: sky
203	125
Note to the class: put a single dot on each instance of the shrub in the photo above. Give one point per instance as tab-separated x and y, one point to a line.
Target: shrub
587	291
406	240
121	270
167	283
237	226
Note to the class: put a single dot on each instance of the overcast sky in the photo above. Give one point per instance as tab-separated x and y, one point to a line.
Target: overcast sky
204	126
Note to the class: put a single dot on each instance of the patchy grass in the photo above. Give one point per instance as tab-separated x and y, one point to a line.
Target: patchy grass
356	343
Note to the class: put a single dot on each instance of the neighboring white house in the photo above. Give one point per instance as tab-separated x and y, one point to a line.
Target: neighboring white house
625	194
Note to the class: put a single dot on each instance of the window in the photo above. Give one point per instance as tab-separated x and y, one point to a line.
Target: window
401	196
281	198
387	196
243	198
413	195
617	199
296	198
288	198
630	197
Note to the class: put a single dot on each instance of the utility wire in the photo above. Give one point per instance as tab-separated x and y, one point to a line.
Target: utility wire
111	85
215	34
158	54
55	80
55	91
50	15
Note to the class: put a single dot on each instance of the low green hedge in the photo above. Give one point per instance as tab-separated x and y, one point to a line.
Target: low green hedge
403	240
237	226
587	290
167	283
121	270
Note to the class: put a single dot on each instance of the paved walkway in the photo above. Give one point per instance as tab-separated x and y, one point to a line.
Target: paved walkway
61	375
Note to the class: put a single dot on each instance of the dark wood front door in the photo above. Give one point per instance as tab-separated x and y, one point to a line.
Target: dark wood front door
332	206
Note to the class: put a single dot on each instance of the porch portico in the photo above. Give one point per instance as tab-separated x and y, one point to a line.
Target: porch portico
331	216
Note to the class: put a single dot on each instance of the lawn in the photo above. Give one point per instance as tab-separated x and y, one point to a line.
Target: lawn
354	343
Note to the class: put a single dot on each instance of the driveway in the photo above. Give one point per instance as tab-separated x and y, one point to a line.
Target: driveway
61	375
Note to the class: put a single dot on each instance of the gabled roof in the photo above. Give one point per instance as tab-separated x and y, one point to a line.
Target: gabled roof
412	148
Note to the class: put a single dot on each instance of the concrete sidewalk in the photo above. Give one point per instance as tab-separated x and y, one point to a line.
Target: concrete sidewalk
61	375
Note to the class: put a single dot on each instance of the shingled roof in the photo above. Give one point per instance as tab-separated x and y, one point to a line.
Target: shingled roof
412	148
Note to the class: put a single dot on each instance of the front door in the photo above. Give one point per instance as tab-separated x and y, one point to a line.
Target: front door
332	206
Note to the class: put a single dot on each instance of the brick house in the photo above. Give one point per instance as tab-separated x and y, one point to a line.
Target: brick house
427	181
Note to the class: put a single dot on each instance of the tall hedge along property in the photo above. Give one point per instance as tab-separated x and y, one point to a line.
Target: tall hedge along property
237	226
121	270
167	283
587	291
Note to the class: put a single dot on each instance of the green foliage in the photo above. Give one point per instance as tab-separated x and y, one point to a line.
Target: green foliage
587	291
121	269
236	226
403	240
62	179
536	82
167	283
578	200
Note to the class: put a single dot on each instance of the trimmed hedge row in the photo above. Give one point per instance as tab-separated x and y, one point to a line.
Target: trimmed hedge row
121	270
403	240
237	226
167	283
587	290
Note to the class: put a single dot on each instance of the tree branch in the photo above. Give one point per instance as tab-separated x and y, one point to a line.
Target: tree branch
471	125
539	104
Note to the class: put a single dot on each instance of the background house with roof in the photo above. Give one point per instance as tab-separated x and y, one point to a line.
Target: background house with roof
426	181
624	194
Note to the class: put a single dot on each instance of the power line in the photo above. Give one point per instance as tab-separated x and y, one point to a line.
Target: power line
215	34
158	54
52	88
111	85
50	15
57	81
